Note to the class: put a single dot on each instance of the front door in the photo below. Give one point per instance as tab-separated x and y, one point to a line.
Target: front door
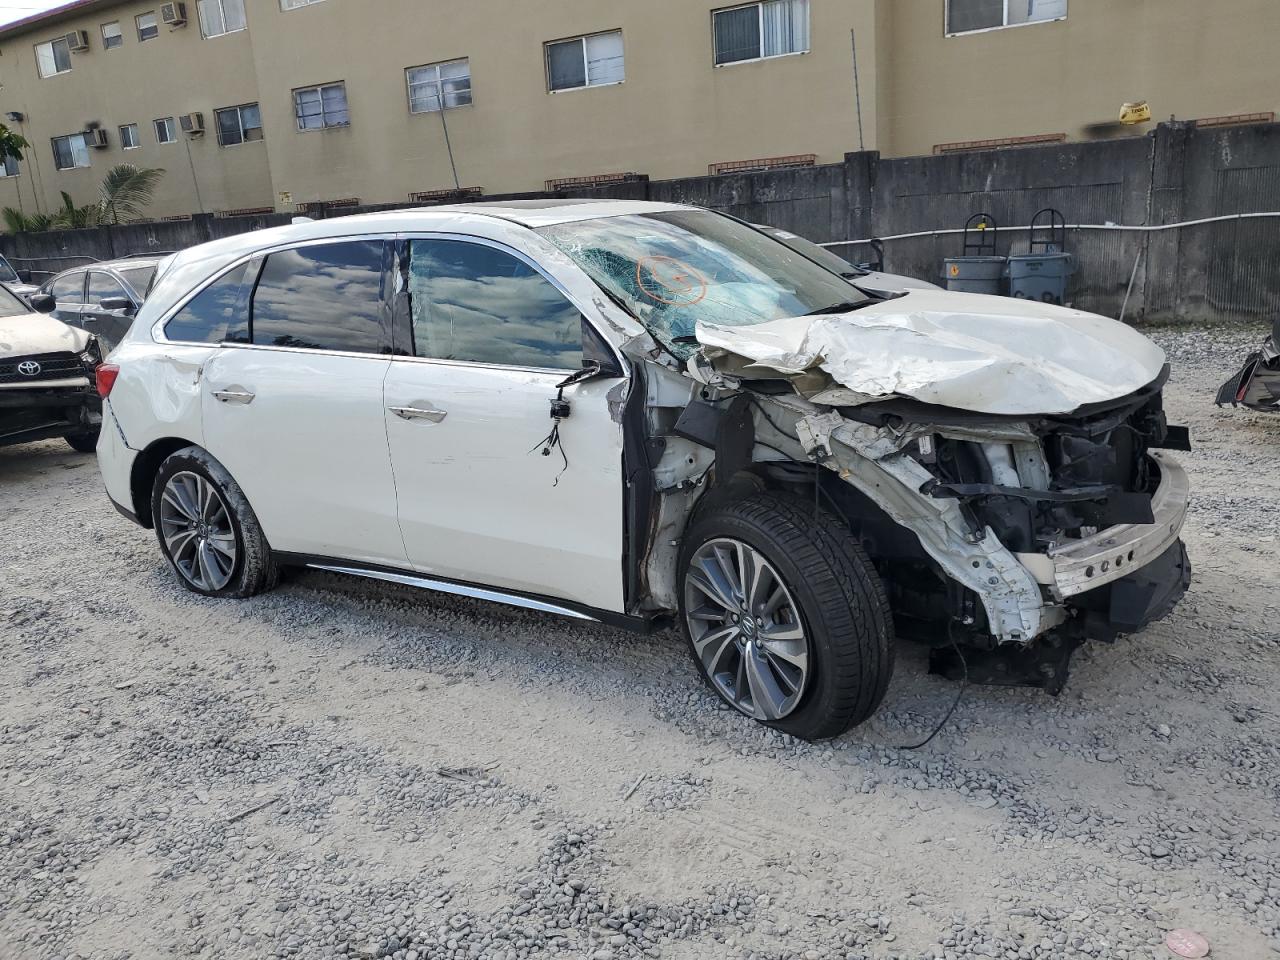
293	403
484	496
68	292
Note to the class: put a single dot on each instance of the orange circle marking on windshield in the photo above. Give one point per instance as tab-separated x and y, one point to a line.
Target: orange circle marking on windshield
671	281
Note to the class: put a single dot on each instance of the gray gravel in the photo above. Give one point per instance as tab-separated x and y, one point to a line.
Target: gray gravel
342	769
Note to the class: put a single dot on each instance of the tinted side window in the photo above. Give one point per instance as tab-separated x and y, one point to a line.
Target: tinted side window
213	316
69	289
472	302
103	286
325	297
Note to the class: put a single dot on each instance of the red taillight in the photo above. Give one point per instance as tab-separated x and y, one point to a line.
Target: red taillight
106	374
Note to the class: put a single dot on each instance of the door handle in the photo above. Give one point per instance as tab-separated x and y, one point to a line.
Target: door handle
234	396
85	318
419	413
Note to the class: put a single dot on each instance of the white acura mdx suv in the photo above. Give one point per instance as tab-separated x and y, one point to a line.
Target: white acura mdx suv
643	413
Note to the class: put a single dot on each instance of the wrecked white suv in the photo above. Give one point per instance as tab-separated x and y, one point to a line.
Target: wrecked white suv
642	413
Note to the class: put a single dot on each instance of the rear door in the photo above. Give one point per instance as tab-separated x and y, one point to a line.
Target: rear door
293	406
109	325
484	496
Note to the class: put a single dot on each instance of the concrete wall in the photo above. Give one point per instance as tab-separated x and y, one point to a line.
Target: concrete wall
1220	271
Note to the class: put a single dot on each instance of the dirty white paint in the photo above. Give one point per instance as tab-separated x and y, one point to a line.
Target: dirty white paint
986	354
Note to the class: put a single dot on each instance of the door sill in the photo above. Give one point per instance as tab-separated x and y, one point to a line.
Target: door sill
526	601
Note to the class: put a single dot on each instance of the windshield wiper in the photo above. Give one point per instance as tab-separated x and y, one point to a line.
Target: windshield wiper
687	338
844	306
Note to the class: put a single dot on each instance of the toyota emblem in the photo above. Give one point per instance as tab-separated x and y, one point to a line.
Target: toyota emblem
29	368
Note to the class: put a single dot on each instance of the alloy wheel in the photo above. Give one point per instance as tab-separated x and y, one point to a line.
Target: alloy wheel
196	527
746	629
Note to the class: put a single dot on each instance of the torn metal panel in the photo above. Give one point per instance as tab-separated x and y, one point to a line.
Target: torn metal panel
984	354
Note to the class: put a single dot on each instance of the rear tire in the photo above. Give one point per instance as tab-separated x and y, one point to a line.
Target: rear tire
84	442
207	530
813	658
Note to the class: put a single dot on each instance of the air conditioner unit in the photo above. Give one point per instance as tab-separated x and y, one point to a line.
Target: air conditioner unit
96	137
78	40
192	124
174	14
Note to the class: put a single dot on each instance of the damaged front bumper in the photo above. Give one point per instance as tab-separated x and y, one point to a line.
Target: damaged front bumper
29	414
1069	588
1114	553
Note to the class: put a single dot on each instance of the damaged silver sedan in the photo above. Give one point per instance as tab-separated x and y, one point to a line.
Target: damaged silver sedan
648	414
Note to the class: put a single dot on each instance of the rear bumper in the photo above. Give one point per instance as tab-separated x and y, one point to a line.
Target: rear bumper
32	414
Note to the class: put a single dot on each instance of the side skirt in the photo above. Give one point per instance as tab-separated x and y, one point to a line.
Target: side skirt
563	608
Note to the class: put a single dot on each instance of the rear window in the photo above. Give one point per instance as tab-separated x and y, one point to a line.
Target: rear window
139	278
322	297
214	314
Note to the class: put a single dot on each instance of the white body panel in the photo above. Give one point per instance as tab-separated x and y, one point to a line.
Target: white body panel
479	502
970	352
309	451
27	333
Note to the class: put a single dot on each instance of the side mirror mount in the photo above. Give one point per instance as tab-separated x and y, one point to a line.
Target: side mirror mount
43	303
598	358
117	305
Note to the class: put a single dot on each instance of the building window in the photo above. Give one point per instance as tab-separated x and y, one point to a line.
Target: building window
449	83
129	136
165	130
966	16
70	152
771	29
220	17
9	167
585	61
53	58
241	124
295	4
148	27
112	35
320	107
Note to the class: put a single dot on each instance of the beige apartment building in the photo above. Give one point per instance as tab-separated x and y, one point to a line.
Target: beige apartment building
271	104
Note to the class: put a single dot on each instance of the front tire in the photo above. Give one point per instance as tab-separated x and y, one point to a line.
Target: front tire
207	530
786	617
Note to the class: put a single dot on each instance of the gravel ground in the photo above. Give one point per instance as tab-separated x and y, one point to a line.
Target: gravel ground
349	769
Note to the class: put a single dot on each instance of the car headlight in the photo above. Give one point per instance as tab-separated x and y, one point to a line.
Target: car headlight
91	356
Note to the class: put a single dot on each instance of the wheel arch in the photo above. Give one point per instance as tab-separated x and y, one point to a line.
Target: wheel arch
143	473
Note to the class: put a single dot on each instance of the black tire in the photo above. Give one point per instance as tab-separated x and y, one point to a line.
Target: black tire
84	442
840	599
255	569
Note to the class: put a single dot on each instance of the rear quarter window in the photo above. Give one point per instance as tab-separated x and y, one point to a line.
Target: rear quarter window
215	314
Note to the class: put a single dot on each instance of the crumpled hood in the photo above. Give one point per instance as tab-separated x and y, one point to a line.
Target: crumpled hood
985	354
27	333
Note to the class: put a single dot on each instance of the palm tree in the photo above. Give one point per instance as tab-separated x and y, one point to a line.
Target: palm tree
126	189
73	217
16	221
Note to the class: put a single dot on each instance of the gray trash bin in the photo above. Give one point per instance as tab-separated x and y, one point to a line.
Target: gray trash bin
975	274
1040	276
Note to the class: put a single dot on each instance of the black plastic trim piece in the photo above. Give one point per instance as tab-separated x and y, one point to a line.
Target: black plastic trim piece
637	624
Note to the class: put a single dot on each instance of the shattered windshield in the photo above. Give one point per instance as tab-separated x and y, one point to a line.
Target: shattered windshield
674	269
